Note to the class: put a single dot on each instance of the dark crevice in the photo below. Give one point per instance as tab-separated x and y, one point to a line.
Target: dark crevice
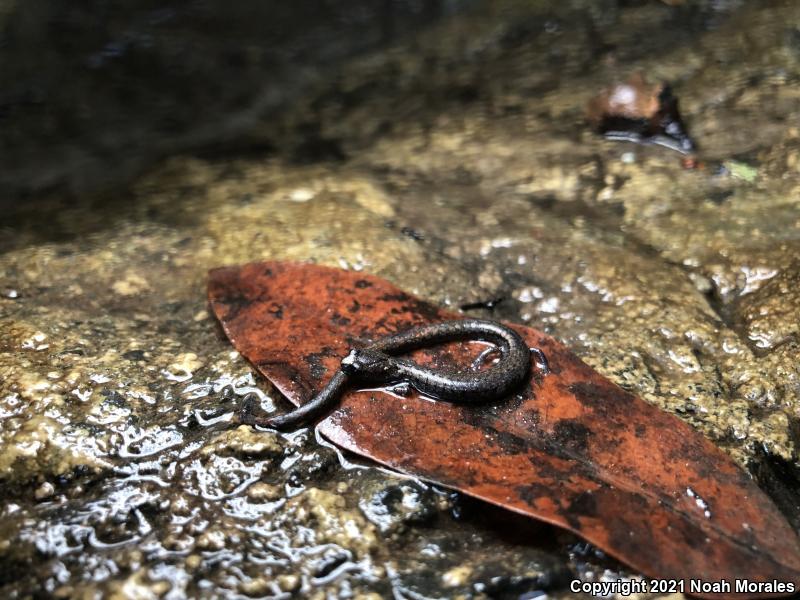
780	479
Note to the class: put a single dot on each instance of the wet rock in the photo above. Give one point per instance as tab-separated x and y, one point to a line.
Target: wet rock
212	539
264	492
255	587
496	580
244	442
313	464
289	583
457	577
41	446
396	505
328	562
770	315
335	523
44	491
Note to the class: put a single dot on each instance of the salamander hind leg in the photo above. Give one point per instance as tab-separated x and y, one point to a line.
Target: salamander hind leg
484	357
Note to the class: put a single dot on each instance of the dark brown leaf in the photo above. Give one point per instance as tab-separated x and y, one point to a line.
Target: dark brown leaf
572	449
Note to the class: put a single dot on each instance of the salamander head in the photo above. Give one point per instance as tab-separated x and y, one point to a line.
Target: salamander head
368	364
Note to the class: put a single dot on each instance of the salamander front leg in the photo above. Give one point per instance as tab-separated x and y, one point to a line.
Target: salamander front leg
402	389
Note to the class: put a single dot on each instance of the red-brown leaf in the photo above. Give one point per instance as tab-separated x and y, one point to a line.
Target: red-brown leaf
572	449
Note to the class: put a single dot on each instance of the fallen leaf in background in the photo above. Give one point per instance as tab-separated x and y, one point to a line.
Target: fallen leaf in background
571	448
636	111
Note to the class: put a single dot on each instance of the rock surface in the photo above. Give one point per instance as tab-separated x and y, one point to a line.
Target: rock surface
456	164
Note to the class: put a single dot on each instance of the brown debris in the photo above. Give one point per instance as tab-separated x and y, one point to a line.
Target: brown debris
638	111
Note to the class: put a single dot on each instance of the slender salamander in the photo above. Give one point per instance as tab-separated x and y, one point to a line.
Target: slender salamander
377	364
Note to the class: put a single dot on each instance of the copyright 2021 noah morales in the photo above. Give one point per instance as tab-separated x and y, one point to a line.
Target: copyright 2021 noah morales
628	587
